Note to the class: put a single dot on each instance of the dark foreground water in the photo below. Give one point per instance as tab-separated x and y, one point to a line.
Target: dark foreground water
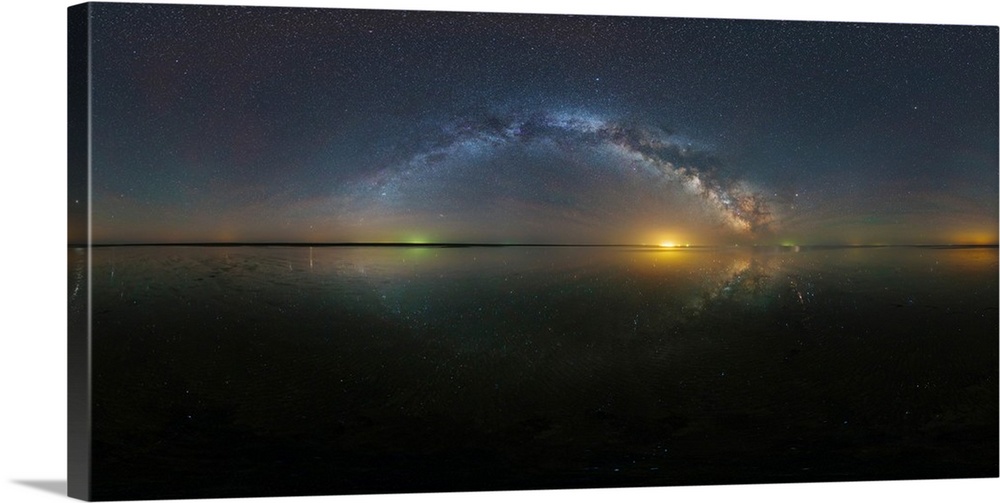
239	371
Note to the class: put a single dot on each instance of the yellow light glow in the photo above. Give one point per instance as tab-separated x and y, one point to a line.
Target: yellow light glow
416	240
667	244
973	238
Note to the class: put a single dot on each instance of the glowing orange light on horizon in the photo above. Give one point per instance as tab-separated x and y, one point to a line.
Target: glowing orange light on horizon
975	238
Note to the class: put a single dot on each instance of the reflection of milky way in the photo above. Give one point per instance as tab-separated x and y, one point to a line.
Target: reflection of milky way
662	155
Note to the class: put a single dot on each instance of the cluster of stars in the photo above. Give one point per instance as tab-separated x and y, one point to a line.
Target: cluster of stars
278	124
662	156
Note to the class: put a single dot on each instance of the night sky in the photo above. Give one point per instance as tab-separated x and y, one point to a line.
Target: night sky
226	124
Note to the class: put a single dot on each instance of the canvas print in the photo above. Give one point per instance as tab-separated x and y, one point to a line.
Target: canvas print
338	251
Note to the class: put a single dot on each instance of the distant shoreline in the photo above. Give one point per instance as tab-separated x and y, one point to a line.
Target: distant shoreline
517	245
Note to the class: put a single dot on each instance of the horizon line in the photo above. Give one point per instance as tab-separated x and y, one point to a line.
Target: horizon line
459	244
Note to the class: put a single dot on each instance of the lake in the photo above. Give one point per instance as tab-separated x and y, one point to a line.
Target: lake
227	371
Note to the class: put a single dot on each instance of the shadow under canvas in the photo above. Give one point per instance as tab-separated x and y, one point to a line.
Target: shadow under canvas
51	486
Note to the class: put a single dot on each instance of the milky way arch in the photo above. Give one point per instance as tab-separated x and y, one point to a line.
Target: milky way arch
663	155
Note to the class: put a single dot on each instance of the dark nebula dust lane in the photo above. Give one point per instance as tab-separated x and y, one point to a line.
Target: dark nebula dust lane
222	124
628	146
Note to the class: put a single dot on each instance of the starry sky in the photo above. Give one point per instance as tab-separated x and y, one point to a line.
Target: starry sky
232	124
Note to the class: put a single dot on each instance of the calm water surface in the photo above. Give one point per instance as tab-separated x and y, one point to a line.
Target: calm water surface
233	371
